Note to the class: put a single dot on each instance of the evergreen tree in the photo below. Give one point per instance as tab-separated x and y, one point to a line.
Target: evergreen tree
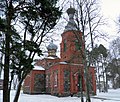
35	19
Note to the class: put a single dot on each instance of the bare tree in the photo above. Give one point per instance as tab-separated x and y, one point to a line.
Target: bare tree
88	20
115	56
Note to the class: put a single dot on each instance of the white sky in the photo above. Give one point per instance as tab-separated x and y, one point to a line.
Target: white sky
111	10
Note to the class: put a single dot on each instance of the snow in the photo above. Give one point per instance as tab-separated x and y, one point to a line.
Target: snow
50	57
111	96
38	68
63	62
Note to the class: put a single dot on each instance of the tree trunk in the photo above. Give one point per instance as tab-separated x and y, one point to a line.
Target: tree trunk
106	88
87	86
6	94
6	71
18	91
99	85
6	64
84	56
81	88
1	67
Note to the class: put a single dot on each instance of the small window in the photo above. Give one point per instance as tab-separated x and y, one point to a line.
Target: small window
48	80
77	45
50	64
55	79
65	45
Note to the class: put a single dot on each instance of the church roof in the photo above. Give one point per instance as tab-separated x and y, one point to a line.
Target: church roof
38	68
71	25
63	63
52	46
50	57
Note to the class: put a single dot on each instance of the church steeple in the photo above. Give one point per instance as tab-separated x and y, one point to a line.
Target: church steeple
71	25
70	50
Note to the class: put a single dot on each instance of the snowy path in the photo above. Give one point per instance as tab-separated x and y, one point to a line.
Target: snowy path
102	98
111	96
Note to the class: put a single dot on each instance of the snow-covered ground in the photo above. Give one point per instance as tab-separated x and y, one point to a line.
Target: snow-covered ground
111	96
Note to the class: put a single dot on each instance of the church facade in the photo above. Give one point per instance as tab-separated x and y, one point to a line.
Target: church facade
65	75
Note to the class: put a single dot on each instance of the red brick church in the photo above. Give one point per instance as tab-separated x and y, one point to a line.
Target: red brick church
61	76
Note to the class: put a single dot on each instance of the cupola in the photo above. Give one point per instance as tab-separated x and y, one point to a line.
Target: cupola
71	25
52	48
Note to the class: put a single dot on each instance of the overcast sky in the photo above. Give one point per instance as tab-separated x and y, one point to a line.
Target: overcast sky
111	10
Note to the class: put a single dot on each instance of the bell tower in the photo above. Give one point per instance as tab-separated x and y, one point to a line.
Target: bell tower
71	45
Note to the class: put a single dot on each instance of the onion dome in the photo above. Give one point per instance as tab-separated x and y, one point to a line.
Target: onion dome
52	46
71	25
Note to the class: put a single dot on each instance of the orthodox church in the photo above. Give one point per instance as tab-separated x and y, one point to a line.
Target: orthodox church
65	75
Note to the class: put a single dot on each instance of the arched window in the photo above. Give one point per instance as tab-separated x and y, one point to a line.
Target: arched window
65	45
55	79
77	45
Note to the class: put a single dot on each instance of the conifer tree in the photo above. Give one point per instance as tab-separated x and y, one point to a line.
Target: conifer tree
26	24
